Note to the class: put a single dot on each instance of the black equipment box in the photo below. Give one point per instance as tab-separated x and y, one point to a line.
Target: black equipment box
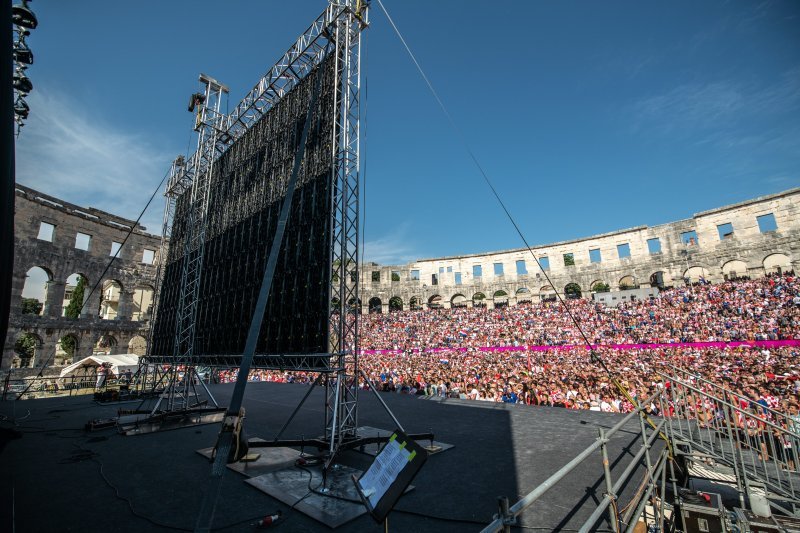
752	523
701	516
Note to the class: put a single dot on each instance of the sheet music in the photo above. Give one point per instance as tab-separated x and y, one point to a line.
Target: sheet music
384	471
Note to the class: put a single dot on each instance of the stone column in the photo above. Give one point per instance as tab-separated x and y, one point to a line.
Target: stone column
17	286
91	307
125	308
8	350
54	299
446	304
85	347
489	303
385	309
512	301
469	304
44	354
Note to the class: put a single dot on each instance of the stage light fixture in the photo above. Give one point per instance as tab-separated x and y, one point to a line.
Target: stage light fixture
21	108
195	100
23	54
22	83
23	17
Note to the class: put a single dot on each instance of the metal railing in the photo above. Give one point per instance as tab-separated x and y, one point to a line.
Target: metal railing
654	481
734	397
757	444
28	388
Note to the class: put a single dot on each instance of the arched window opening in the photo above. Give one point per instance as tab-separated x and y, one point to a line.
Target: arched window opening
76	291
26	349
395	304
479	299
109	299
375	306
572	291
34	292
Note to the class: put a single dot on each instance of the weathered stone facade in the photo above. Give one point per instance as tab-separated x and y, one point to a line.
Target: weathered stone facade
60	256
763	236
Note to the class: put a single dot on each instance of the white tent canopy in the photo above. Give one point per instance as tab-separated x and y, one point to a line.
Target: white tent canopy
119	364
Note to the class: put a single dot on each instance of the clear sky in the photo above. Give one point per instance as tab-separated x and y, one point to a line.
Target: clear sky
588	116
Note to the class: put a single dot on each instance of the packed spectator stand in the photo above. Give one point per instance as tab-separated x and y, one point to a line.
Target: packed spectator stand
743	335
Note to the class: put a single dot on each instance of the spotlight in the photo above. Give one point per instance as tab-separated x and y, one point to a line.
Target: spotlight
23	54
195	100
22	83
24	17
21	108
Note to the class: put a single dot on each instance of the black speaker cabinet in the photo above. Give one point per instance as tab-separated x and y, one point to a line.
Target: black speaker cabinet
700	516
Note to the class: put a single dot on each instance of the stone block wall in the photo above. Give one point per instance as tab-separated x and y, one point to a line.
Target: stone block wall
59	257
711	255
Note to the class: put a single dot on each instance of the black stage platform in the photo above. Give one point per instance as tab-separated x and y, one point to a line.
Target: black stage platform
57	477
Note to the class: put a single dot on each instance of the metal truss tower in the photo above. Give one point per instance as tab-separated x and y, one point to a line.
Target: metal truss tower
208	125
342	395
338	31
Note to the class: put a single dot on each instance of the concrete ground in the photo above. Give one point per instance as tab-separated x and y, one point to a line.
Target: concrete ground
58	477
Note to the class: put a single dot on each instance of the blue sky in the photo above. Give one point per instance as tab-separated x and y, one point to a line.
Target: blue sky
587	116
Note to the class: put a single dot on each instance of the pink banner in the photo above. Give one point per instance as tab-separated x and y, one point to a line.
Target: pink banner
538	348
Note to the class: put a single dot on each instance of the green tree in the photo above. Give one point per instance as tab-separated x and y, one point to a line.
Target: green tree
601	287
31	306
69	344
573	291
569	260
76	300
25	347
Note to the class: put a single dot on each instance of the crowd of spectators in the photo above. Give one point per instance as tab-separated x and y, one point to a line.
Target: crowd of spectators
762	309
448	352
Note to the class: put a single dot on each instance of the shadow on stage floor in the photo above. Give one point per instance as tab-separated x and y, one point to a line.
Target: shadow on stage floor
58	477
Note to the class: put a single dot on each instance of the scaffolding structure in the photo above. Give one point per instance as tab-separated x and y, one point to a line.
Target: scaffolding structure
195	215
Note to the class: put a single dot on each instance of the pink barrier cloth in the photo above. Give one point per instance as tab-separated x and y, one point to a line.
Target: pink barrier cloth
538	348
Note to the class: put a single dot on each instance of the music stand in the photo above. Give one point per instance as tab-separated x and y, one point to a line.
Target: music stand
390	474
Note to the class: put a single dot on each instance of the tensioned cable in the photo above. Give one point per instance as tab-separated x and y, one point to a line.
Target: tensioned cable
100	279
594	356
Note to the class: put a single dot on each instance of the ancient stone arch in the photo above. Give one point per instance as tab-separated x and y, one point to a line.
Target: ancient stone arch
660	278
734	268
27	347
107	344
137	345
572	291
458	300
695	273
110	299
395	303
375	305
523	294
775	263
547	293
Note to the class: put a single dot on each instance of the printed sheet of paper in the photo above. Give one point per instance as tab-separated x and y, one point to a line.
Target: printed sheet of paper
384	470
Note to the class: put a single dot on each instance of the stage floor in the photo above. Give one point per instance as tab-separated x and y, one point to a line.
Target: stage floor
58	477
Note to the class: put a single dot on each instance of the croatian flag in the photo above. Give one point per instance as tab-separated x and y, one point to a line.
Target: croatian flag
462	332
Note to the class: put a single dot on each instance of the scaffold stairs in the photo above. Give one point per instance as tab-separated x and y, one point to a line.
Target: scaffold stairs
724	437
